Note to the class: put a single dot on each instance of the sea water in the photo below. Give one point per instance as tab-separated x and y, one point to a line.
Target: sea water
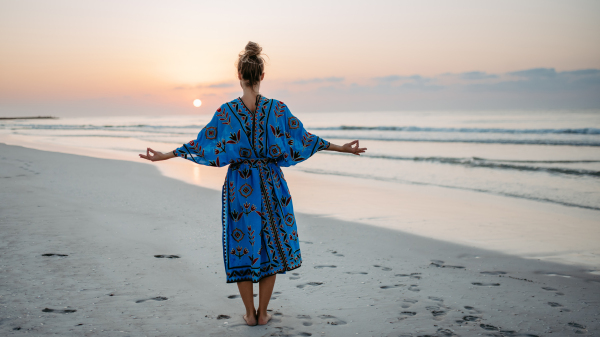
551	156
540	157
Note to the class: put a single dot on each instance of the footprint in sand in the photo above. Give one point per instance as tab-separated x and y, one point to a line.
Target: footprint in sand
392	286
488	327
54	254
470	318
307	242
493	272
437	299
416	276
576	325
238	296
158	298
306	318
332	320
356	272
408	302
554	304
472	309
59	311
382	268
440	264
445	332
553	289
436	311
223	317
309	284
329	266
405	315
484	284
336	253
295	276
414	287
166	256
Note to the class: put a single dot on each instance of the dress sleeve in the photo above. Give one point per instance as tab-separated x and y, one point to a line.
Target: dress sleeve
300	144
211	147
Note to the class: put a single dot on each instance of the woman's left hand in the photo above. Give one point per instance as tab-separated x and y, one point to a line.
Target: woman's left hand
155	155
353	148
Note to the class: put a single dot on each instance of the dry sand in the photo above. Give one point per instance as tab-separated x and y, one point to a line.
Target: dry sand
110	218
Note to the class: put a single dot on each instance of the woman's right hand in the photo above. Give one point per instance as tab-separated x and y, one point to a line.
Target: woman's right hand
156	156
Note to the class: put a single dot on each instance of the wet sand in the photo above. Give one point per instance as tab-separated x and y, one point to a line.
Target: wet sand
527	228
113	248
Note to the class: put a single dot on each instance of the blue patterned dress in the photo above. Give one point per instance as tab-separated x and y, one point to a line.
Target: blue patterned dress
260	237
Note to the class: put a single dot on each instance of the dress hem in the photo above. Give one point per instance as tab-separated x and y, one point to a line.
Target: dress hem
267	275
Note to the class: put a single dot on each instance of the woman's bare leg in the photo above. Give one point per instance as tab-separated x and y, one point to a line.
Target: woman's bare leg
265	289
247	293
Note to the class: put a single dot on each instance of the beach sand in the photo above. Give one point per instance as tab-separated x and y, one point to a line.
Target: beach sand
112	218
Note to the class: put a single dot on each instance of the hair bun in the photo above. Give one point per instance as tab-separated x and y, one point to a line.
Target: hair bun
253	49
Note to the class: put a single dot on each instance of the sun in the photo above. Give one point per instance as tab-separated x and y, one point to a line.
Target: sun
197	103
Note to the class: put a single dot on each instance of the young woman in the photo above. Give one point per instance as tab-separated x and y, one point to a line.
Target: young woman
255	136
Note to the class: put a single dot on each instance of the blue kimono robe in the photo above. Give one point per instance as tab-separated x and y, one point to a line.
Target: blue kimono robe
260	237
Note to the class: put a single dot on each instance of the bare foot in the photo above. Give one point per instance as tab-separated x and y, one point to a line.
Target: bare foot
250	320
264	319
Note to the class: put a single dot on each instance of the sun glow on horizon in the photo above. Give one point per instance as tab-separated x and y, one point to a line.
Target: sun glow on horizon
197	103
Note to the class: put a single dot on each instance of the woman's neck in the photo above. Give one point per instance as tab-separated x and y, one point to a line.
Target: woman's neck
249	96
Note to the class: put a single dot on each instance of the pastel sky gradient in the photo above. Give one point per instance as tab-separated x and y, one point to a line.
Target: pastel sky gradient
70	58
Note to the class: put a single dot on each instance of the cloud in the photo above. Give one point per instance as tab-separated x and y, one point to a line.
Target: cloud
582	72
534	73
320	80
476	75
394	78
544	80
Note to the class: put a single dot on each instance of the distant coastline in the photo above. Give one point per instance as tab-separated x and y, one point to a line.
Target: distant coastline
30	117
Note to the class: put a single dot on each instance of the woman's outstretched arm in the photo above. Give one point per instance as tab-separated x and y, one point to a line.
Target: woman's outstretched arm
351	147
157	156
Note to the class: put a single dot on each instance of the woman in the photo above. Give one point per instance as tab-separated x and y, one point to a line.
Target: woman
255	136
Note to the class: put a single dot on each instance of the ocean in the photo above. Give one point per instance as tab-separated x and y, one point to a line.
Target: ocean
550	156
515	181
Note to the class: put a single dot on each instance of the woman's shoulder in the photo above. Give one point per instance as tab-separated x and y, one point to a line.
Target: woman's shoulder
275	104
264	101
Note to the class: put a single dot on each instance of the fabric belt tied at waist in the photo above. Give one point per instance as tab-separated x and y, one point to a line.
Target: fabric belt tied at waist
253	162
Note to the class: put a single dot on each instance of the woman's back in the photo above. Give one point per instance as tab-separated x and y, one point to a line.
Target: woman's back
236	133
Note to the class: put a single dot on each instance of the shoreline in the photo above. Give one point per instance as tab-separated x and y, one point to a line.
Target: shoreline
526	228
112	217
29	117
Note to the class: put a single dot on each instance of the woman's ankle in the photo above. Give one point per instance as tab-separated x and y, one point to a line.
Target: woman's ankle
259	313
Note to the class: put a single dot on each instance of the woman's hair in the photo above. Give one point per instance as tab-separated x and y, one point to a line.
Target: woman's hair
251	64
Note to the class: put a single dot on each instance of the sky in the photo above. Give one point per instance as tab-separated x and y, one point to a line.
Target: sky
80	58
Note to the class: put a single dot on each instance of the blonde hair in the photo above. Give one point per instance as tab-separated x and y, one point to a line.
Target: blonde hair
251	64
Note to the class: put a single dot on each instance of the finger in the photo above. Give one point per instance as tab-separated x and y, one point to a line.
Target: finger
352	142
145	157
153	152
